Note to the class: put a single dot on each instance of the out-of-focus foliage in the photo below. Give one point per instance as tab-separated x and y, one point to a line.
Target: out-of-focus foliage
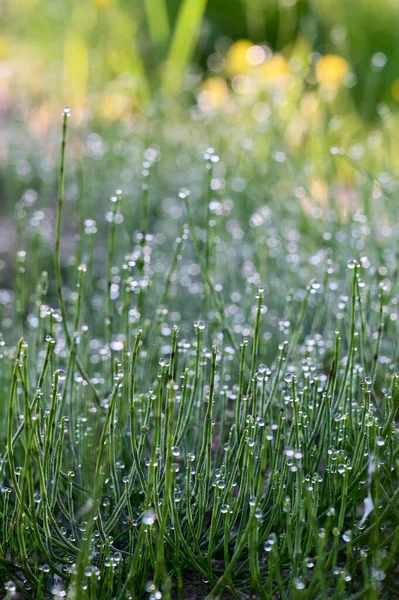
300	73
114	56
366	31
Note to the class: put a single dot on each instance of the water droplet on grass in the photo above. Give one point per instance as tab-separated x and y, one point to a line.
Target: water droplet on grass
352	263
347	536
61	375
149	517
309	562
299	583
377	575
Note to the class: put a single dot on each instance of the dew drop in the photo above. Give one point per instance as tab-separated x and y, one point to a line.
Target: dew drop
299	583
61	375
347	536
149	517
352	264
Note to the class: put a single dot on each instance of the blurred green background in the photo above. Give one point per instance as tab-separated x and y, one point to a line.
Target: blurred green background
114	56
291	76
298	98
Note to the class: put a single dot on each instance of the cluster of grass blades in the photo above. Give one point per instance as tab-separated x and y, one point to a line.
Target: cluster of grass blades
134	458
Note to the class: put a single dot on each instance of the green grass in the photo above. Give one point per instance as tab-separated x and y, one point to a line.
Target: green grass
189	402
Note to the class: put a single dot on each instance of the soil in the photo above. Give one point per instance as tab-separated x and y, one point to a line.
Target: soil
195	589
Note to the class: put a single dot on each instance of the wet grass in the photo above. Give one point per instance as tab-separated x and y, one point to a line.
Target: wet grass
192	408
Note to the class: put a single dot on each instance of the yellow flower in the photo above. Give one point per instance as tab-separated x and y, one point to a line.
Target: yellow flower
213	93
101	3
331	70
274	69
236	58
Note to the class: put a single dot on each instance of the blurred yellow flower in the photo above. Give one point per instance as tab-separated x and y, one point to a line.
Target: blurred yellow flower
319	191
4	48
274	69
101	3
236	58
116	106
213	93
309	106
395	90
331	70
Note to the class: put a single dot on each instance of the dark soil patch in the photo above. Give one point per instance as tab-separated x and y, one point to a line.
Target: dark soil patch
195	589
